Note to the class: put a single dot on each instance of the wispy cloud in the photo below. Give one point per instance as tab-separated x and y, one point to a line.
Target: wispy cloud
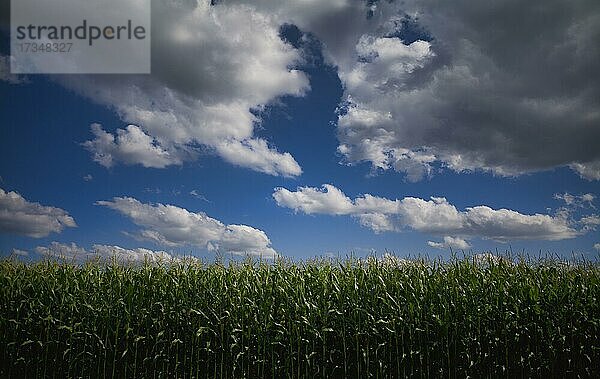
198	195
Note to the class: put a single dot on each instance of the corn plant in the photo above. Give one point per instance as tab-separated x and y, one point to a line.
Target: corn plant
321	318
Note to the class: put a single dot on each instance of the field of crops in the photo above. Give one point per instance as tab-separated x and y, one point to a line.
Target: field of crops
351	318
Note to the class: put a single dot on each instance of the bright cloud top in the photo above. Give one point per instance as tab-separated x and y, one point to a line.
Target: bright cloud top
450	243
169	225
130	146
212	66
19	216
435	216
73	253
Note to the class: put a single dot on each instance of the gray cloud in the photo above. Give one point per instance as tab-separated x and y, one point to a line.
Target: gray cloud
506	87
19	216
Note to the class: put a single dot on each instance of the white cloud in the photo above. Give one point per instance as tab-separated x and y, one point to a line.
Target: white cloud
590	222
577	204
597	246
437	245
130	146
19	216
20	253
212	67
328	199
450	242
169	225
435	216
62	251
576	201
256	154
106	253
377	222
133	255
88	177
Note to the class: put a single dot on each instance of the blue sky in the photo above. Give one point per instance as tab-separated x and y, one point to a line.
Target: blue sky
309	108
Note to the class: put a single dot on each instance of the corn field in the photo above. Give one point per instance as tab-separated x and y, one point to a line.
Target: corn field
347	318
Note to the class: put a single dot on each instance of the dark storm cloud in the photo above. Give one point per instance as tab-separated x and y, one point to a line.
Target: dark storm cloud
510	86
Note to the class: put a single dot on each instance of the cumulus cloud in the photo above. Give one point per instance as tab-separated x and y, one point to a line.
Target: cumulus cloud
435	216
464	85
377	222
73	253
429	87
328	199
256	154
450	243
19	216
213	69
130	146
169	225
